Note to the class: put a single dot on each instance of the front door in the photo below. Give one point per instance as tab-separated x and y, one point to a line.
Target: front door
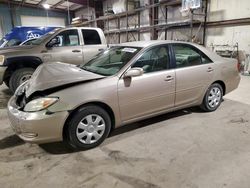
68	51
194	72
152	92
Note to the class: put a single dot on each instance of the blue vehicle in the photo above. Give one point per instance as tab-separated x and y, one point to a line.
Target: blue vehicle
20	34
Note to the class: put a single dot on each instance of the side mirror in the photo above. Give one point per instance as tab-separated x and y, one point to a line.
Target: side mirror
53	42
133	72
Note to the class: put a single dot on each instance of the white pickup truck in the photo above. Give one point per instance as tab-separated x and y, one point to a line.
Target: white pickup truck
74	45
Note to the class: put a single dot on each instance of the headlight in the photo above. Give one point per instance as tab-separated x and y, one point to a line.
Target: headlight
21	89
2	59
40	104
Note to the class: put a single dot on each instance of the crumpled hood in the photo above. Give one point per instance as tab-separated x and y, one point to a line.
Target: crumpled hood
51	75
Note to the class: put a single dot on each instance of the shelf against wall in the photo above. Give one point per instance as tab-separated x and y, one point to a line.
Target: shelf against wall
114	34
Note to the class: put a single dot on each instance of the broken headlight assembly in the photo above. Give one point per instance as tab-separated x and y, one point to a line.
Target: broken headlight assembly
40	104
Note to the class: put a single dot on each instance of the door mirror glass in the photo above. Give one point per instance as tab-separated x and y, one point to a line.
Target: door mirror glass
53	42
133	72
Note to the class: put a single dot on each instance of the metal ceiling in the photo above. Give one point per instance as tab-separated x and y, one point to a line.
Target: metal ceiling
54	4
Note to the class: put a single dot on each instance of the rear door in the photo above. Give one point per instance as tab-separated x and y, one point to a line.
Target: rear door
152	92
194	72
68	51
92	44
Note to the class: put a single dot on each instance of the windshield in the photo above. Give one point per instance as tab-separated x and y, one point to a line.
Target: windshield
2	41
38	41
110	61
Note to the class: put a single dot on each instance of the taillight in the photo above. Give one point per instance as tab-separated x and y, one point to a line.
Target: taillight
238	66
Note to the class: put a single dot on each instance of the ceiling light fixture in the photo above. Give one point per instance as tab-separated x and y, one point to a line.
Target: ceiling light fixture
46	6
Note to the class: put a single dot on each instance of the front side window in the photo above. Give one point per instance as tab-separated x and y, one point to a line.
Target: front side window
111	61
68	38
155	59
91	37
186	56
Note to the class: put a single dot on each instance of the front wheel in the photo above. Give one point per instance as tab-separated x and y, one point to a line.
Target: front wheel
212	98
20	76
88	127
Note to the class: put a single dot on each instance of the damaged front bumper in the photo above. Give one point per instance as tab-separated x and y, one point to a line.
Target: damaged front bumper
36	127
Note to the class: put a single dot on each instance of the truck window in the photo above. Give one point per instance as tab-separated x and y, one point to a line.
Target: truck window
68	38
90	37
13	42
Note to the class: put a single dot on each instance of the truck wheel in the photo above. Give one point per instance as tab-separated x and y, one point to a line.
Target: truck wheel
20	76
7	82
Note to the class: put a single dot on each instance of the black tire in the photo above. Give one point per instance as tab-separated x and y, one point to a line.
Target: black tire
17	76
206	106
7	82
79	116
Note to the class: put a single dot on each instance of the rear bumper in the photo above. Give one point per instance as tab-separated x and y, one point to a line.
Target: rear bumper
36	127
233	84
2	72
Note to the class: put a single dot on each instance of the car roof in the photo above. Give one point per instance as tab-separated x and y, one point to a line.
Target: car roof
144	44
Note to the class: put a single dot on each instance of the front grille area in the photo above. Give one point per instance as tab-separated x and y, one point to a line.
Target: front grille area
21	101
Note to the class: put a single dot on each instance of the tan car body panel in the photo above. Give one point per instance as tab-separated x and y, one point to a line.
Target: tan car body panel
130	99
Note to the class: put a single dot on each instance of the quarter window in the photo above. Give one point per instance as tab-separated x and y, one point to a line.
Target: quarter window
153	60
68	38
186	56
91	37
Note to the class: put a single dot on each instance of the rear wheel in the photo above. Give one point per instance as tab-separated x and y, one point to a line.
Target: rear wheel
88	127
20	76
212	98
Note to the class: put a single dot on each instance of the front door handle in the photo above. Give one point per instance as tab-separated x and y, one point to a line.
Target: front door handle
101	49
76	51
169	78
210	69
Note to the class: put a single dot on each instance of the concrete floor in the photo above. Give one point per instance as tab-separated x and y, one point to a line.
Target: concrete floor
187	148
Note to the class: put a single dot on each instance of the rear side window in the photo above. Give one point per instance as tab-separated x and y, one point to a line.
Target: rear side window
186	56
90	37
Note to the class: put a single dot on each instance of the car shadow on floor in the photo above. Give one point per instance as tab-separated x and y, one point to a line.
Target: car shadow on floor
10	141
62	148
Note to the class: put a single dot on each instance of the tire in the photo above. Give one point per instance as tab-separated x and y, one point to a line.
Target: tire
7	82
212	98
19	76
83	132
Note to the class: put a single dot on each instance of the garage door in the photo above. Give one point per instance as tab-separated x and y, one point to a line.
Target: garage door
42	21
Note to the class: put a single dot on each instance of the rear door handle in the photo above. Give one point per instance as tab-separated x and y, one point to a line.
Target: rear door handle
210	69
169	78
76	51
100	50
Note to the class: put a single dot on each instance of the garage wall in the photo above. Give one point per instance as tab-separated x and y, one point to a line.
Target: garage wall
24	11
5	16
41	21
226	10
18	12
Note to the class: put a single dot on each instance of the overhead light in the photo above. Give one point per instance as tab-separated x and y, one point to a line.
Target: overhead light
46	6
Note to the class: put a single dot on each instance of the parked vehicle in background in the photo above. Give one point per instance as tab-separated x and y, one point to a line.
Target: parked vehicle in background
69	45
21	33
125	83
